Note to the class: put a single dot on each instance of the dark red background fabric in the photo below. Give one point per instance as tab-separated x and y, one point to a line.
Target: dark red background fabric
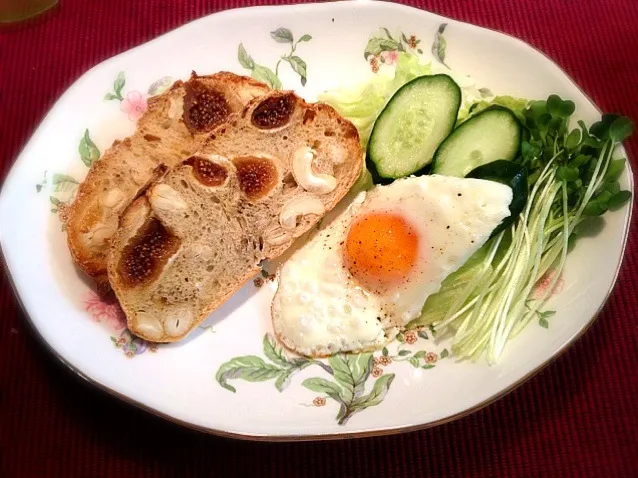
578	417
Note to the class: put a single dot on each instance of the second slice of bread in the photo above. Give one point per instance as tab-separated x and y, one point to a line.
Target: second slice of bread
260	181
175	125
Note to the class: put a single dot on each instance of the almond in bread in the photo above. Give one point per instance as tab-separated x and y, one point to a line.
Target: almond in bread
173	128
261	180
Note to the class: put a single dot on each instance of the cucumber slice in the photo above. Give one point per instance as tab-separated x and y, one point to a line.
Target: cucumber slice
512	175
492	134
412	125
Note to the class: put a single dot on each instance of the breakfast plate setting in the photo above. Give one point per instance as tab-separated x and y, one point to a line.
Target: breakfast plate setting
317	221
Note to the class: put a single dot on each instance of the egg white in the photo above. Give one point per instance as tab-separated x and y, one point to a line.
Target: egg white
320	309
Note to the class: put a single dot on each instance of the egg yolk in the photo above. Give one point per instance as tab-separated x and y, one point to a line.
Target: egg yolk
381	250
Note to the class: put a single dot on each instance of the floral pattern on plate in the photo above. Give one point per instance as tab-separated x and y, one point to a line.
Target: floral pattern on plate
266	75
134	105
108	312
383	48
354	382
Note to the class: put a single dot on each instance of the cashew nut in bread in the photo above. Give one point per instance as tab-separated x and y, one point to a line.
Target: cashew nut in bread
176	107
165	198
100	234
299	206
176	326
306	177
148	326
112	198
276	236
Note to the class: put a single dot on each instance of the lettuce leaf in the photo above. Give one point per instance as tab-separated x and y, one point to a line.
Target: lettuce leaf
437	305
517	105
363	103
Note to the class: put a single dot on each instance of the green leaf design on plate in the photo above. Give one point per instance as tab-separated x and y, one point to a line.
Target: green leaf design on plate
344	381
63	182
118	85
160	86
351	371
255	369
387	33
88	151
378	393
250	368
55	201
439	44
282	35
321	385
245	60
39	186
299	66
419	355
485	92
284	378
542	317
274	352
377	45
379	390
266	75
444	353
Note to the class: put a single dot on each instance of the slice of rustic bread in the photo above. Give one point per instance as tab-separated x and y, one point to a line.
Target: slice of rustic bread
173	128
261	180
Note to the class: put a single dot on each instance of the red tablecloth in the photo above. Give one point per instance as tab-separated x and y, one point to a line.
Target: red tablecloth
576	418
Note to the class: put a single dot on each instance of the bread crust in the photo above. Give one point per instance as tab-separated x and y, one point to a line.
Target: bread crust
129	166
220	252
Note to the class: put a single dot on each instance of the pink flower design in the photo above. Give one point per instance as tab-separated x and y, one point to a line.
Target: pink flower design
430	357
390	57
544	282
102	311
134	105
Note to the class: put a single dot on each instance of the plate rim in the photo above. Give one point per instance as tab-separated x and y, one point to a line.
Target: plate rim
320	436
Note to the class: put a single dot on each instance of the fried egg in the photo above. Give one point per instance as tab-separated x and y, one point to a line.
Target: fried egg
369	272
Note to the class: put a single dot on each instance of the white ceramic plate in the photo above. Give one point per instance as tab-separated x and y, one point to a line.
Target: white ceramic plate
266	395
